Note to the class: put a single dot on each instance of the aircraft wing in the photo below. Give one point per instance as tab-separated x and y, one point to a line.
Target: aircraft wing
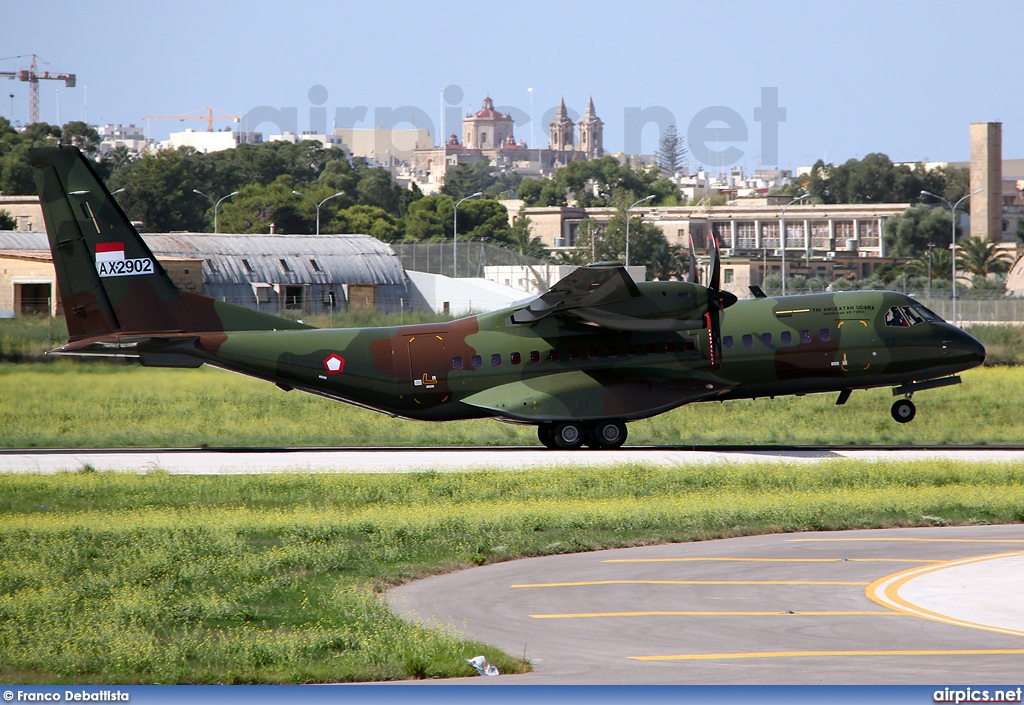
595	285
605	295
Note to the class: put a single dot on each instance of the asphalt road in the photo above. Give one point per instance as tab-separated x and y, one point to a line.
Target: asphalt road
856	607
253	460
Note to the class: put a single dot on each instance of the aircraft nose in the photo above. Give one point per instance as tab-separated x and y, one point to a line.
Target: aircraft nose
966	346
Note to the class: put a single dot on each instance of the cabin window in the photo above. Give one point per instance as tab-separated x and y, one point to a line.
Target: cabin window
670	347
826	335
652	348
613	351
478	362
456	363
574	353
786	337
515	358
534	356
592	353
766	339
748	340
496	360
552	356
689	345
727	342
805	336
631	350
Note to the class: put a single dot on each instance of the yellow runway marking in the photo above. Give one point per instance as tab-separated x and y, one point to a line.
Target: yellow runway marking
798	654
775	560
692	582
890	585
912	539
580	615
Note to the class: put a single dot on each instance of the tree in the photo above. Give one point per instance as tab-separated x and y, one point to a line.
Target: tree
671	151
647	244
7	221
467	179
875	179
159	192
938	261
520	238
429	218
484	219
1020	230
982	257
908	234
256	208
377	188
83	136
368	220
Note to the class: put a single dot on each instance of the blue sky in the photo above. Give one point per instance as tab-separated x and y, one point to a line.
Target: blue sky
904	78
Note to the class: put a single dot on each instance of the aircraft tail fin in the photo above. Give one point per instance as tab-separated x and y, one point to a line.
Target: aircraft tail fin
109	281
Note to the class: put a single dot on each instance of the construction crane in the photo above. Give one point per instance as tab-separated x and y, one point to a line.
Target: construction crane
198	115
33	77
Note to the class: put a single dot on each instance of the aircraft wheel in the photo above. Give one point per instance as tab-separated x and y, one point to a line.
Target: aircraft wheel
545	433
609	435
903	410
568	435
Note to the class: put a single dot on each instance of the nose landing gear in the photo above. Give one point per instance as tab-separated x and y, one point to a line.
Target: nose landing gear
903	410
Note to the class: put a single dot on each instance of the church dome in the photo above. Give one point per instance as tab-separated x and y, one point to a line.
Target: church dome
488	111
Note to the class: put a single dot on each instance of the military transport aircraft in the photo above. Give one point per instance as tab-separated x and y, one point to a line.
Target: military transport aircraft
593	353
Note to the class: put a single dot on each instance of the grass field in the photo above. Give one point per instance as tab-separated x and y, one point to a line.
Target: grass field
67	404
114	578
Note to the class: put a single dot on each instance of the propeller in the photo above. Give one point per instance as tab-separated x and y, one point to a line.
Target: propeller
692	274
718	301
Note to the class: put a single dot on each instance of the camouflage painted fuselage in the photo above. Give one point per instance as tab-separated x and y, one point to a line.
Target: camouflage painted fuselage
481	366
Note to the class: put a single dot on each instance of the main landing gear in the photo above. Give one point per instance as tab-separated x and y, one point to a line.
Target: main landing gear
903	410
571	435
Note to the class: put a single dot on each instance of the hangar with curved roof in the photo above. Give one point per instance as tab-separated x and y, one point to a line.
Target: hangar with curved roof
307	274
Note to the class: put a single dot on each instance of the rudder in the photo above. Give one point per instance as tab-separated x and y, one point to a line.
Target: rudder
109	280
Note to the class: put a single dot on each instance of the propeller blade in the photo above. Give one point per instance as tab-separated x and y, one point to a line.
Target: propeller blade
692	275
713	317
714	278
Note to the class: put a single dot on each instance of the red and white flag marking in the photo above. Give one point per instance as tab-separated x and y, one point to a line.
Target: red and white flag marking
110	261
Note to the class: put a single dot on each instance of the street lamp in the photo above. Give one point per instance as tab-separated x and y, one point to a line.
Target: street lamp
782	237
302	195
455	234
216	205
627	224
952	215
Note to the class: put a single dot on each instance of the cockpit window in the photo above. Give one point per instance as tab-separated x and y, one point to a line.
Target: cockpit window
894	317
927	314
907	316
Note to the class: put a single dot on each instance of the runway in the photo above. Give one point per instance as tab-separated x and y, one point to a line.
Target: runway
405	459
903	606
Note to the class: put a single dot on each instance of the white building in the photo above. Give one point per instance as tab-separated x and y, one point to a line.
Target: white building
206	142
131	137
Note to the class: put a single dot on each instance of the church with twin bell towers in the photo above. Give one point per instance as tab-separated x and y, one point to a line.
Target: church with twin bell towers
489	134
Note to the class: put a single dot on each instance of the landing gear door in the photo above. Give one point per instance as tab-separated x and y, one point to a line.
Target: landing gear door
428	364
